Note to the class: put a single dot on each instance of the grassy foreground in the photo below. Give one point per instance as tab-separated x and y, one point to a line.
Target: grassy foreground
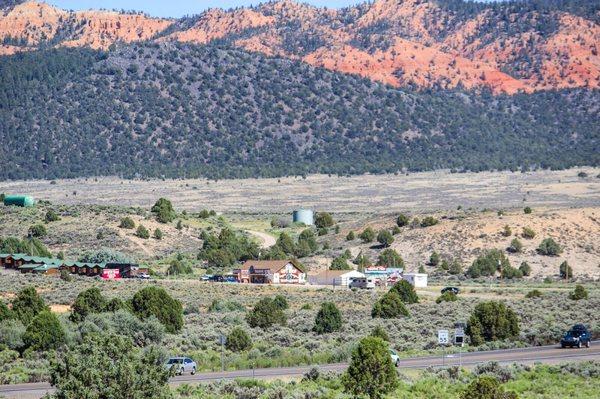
571	380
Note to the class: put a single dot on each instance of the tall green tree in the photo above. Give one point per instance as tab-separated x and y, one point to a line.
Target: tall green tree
371	372
405	291
155	301
491	321
44	332
163	209
389	306
88	302
328	319
108	366
27	305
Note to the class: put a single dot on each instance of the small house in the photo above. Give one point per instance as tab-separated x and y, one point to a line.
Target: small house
270	272
417	280
338	278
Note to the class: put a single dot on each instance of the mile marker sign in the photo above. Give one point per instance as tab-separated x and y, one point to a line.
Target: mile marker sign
443	337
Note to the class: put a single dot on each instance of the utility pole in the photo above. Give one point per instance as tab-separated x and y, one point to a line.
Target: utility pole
222	339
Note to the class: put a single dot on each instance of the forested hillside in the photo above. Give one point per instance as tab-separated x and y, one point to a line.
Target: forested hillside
505	46
184	110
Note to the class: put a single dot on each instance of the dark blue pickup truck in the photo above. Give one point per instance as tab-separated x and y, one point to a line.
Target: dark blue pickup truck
577	336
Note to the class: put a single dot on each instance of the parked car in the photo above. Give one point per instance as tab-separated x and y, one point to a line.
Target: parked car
577	336
216	278
395	357
362	283
454	290
181	365
143	276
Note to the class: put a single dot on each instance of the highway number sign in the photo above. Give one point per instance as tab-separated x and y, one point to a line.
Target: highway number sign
443	337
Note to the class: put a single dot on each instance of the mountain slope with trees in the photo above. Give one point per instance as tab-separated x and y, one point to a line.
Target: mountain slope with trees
185	110
507	46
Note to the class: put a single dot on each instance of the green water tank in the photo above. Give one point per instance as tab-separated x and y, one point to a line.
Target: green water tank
19	200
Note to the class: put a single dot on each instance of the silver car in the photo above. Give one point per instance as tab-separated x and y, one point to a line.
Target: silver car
181	365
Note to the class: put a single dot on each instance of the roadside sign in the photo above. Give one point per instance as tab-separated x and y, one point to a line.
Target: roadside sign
459	336
443	337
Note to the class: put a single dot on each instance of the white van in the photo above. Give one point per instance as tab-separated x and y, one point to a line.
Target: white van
362	283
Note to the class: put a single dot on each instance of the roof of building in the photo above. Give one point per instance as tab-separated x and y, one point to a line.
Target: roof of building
336	273
52	261
272	265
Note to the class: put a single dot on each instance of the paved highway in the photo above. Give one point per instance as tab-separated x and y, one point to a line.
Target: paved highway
541	354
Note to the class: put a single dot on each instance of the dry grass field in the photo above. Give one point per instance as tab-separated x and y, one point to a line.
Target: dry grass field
425	191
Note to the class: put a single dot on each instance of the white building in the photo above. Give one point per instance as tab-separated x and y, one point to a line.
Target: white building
418	280
338	278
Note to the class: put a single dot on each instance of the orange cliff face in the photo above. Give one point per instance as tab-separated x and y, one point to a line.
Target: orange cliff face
30	24
397	42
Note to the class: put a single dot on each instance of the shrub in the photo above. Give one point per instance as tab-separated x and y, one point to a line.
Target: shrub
447	296
142	332
44	332
380	332
27	305
280	302
28	246
389	306
158	234
491	321
265	314
339	263
405	291
127	223
323	220
38	231
179	225
385	238
285	242
565	270
328	319
218	305
11	335
5	312
434	259
368	235
177	267
549	247
390	258
87	302
429	221
486	387
104	256
579	293
510	273
65	275
51	216
527	210
238	340
142	232
534	294
506	231
525	268
516	245
488	263
154	301
528	233
107	366
402	220
350	236
455	267
163	209
371	372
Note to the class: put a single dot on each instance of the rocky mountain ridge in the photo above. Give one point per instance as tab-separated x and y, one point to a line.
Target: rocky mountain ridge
508	47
